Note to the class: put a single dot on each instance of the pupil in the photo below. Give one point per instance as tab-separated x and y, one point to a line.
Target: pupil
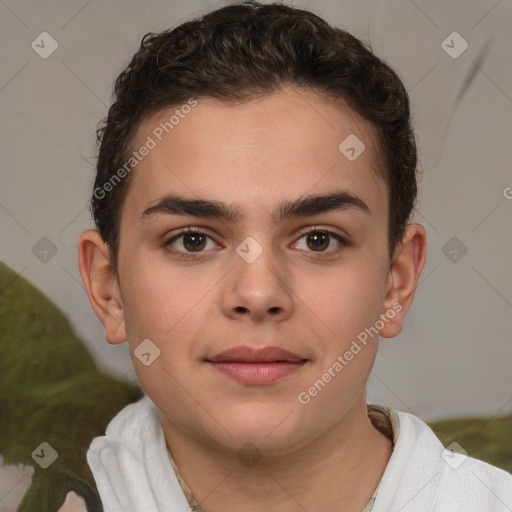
319	240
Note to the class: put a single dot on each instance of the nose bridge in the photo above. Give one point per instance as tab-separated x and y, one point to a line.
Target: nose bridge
258	281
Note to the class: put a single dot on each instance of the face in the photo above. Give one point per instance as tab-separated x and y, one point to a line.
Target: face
253	253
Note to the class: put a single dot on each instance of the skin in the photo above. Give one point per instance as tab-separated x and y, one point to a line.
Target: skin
313	303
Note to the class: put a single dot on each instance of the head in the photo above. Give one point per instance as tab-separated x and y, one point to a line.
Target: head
252	126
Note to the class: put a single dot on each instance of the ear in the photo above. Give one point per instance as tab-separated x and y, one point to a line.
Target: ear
404	272
101	285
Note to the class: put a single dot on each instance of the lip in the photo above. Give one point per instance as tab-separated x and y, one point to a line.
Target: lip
256	366
246	354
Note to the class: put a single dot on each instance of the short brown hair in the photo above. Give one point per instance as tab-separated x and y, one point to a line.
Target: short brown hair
240	52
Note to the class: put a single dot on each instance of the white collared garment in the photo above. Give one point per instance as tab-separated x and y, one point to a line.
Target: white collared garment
134	473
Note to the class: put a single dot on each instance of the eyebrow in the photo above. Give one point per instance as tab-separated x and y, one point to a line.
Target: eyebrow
308	205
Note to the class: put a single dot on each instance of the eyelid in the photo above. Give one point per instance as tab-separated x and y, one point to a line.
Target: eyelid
186	231
318	227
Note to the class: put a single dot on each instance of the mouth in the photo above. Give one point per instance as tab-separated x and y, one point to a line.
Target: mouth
256	366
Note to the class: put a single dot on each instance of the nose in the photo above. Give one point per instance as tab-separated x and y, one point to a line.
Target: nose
258	286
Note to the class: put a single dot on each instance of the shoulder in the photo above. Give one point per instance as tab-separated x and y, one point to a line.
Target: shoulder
470	482
135	425
423	475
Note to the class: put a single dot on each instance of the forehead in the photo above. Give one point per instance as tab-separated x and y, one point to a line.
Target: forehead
257	153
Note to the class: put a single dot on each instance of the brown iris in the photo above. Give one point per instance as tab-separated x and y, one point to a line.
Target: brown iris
194	241
318	241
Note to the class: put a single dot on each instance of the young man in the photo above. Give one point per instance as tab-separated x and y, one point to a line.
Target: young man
255	178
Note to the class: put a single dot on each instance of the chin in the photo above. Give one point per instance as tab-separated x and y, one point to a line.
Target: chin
268	427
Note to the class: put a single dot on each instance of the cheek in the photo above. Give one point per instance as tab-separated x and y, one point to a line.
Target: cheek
168	307
157	298
161	309
346	303
348	310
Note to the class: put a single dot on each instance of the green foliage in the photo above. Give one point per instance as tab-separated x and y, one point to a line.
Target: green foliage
50	390
487	439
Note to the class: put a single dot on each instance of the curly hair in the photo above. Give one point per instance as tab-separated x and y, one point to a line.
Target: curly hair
244	51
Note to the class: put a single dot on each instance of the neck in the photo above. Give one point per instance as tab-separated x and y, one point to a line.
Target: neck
343	466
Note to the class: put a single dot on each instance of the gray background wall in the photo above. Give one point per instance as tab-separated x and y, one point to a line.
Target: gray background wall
454	355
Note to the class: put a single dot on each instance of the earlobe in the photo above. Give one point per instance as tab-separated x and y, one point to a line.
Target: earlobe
101	285
404	273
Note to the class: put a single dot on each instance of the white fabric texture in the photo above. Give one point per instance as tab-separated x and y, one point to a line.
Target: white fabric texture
133	472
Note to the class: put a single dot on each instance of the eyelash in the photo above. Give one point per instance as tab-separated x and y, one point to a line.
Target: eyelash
303	232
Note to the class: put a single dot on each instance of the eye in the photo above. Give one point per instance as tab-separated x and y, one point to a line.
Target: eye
320	239
190	240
